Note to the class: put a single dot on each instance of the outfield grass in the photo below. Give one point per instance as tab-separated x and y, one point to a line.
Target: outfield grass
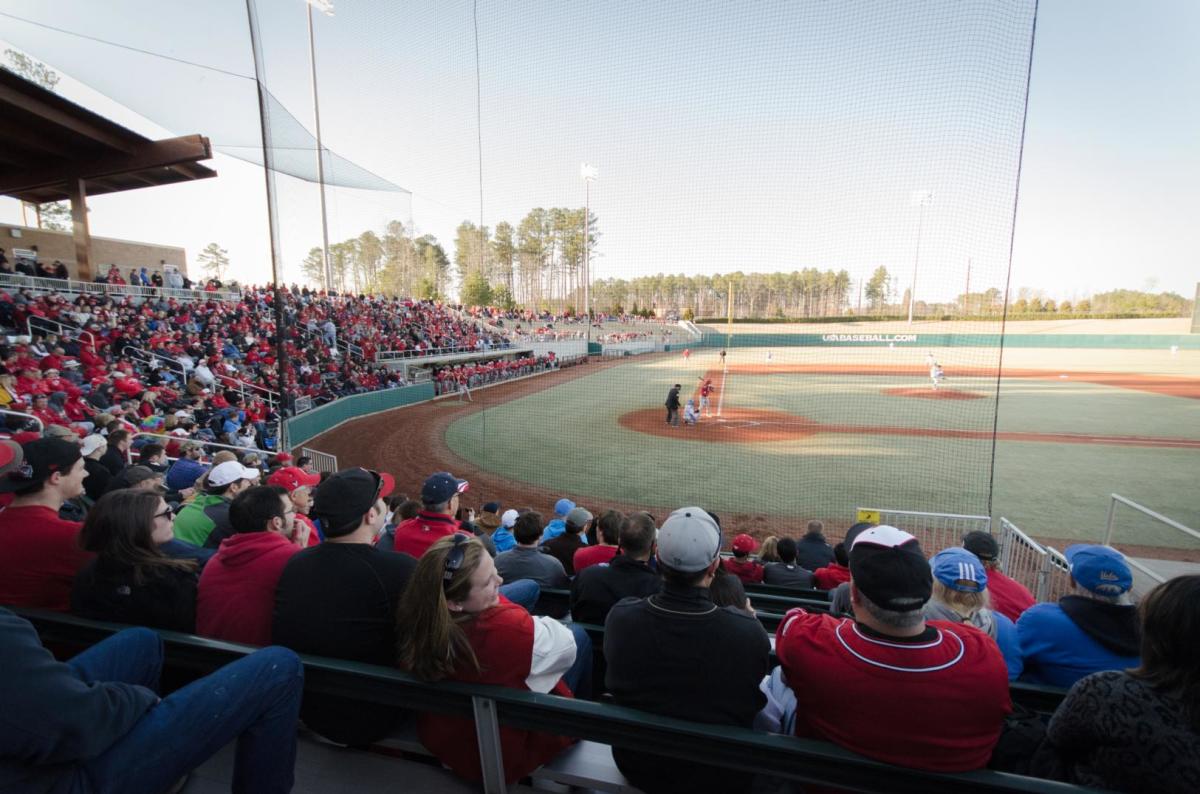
568	439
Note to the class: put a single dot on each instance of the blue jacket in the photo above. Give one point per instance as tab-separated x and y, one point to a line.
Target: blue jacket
553	530
50	717
1064	642
1010	645
504	540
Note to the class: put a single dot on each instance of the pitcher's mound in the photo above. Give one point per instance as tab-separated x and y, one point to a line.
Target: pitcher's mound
930	394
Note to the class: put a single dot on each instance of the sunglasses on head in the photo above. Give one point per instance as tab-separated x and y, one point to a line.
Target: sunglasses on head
454	560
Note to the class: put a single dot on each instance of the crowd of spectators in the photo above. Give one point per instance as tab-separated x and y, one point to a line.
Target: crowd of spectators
342	565
208	370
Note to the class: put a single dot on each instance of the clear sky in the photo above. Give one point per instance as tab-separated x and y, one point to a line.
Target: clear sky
730	136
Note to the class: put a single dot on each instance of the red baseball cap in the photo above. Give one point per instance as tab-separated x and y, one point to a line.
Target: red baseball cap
293	477
744	544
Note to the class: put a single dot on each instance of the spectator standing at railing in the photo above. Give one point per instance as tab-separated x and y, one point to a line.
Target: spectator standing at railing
1093	628
1009	597
644	668
39	551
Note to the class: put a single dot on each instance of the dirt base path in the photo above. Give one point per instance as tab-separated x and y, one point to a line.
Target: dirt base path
751	426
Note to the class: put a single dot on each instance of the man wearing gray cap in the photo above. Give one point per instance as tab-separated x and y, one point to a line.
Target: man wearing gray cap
649	641
564	546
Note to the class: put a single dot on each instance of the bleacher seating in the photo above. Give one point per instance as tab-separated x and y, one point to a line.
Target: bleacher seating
600	723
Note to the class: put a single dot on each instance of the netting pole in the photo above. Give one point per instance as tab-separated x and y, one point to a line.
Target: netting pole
312	61
272	207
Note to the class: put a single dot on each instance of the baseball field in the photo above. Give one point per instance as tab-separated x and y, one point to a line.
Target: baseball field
1041	437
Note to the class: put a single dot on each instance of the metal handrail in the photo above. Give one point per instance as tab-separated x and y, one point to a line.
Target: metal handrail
97	288
1112	508
149	359
399	355
184	440
25	416
60	328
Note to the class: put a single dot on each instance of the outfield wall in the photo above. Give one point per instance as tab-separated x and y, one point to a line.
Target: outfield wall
309	425
842	339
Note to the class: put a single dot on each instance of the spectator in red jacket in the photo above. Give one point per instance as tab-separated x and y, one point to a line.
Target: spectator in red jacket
1009	597
40	552
858	683
740	564
236	598
608	531
835	572
439	500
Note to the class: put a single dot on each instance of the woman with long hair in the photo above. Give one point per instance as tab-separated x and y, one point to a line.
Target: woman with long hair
131	580
1138	729
960	595
453	624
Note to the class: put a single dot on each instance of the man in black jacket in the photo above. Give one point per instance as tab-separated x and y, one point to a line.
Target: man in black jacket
677	654
812	551
672	404
96	723
628	575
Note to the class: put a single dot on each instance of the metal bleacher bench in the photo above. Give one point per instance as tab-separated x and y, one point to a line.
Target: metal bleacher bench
601	725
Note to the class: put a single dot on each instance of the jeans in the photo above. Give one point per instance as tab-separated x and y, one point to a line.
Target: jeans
255	700
523	591
579	676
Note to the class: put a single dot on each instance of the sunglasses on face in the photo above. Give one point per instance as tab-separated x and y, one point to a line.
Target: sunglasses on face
164	514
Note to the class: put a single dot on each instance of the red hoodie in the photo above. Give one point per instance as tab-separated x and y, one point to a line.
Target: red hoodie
237	588
831	576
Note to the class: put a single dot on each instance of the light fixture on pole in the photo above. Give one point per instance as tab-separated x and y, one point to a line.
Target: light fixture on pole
325	7
589	174
921	198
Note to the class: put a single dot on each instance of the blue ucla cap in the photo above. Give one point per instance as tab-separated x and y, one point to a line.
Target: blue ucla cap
1099	569
959	569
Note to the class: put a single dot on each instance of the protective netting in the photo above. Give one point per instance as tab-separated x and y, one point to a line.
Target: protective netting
792	159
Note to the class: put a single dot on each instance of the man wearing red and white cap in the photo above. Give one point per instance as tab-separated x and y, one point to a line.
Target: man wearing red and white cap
299	484
858	683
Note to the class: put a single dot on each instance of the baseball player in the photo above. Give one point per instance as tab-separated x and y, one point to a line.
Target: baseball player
687	353
936	374
690	415
706	390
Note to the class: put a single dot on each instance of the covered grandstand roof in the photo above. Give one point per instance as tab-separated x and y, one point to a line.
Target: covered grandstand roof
47	141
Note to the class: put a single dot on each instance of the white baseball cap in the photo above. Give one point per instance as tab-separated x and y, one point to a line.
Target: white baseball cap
230	471
508	519
92	443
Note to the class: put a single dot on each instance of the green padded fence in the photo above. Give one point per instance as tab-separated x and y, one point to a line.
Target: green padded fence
313	423
869	339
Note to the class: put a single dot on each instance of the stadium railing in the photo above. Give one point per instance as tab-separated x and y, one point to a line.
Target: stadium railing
155	360
385	356
321	461
45	325
165	439
1022	557
121	290
935	531
23	417
804	760
1110	523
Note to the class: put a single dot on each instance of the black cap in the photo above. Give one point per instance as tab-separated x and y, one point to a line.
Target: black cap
43	457
888	567
345	497
982	545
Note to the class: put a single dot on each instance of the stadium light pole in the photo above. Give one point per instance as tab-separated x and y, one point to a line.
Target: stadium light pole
589	174
921	198
326	7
